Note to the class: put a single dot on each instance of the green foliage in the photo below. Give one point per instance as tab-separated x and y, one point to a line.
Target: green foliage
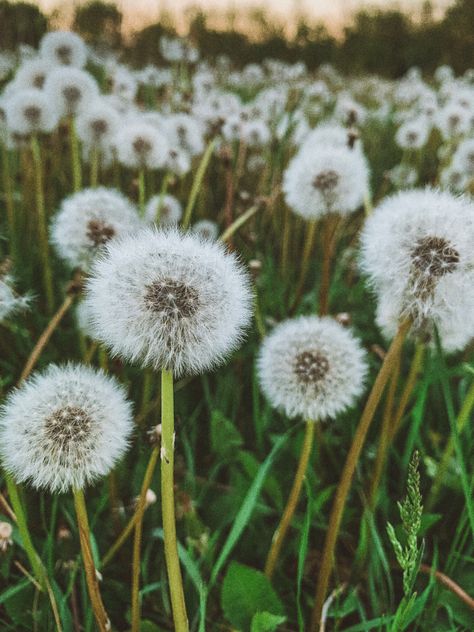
408	554
249	601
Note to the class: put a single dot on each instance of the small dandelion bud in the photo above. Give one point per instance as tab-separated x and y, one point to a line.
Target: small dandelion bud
6	531
64	428
312	368
206	229
163	210
150	497
169	300
64	533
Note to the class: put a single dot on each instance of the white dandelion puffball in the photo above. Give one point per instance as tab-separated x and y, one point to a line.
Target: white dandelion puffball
417	251
32	74
206	229
70	90
97	125
169	300
64	428
311	367
10	301
327	179
139	145
29	111
64	48
163	210
88	220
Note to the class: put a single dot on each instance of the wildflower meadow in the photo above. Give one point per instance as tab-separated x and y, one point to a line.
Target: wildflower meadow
236	344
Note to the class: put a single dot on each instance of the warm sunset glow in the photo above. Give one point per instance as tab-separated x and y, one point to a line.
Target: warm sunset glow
333	12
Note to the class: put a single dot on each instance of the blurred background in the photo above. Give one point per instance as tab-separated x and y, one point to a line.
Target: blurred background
380	36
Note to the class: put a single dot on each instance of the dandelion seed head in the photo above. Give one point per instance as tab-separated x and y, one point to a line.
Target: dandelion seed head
70	89
163	210
311	367
169	300
64	428
64	48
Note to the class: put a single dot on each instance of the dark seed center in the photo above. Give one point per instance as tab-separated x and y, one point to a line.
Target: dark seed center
64	54
141	146
326	181
99	127
434	257
311	367
99	233
38	80
68	426
72	94
32	114
172	298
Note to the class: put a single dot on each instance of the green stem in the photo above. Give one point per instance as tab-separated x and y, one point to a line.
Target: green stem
94	177
196	187
167	503
42	224
100	614
137	521
28	545
285	522
75	157
350	465
9	204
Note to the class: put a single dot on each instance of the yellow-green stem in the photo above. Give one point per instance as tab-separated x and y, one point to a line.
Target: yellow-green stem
28	545
136	521
94	165
98	608
75	157
285	522
348	472
42	224
237	223
196	186
307	250
413	375
167	503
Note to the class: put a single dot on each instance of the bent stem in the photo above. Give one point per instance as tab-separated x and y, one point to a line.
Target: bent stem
45	336
167	503
196	186
137	521
308	249
329	243
100	614
337	511
285	522
42	224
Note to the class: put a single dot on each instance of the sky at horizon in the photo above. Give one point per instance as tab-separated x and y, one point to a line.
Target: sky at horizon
333	12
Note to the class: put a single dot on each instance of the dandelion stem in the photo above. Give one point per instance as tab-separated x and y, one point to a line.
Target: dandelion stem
285	522
22	524
167	503
100	614
308	249
75	157
413	375
42	224
329	243
94	176
137	521
237	223
45	336
348	472
196	187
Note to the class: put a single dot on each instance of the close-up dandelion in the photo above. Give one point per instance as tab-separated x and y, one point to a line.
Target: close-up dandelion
236	316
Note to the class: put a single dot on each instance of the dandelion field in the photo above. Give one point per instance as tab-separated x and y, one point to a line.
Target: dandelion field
236	346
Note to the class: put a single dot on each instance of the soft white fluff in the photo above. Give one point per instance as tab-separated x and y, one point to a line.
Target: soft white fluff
206	229
97	126
64	428
412	275
10	301
311	367
29	111
326	179
70	90
32	74
169	300
64	48
139	145
165	210
89	219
